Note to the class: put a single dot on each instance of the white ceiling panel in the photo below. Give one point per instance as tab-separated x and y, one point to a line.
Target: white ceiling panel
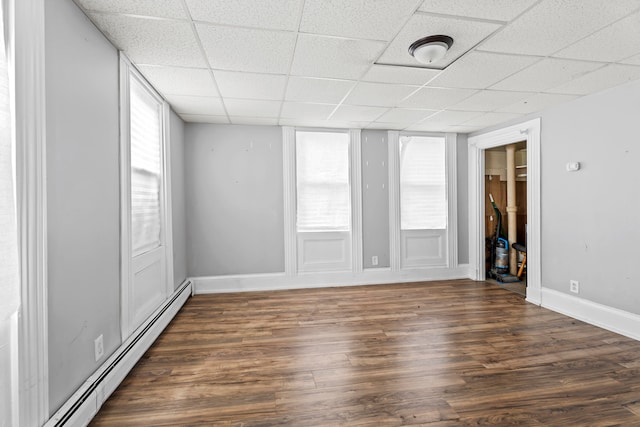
357	113
451	117
252	108
546	74
489	100
236	120
234	84
401	75
180	81
271	14
362	19
203	118
245	49
203	105
302	110
152	41
600	79
164	9
436	98
404	115
499	10
479	70
386	126
466	34
379	94
634	60
536	103
613	43
490	119
554	24
322	123
320	56
311	89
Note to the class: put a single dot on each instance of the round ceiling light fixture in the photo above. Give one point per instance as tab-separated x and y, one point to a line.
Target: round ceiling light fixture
430	49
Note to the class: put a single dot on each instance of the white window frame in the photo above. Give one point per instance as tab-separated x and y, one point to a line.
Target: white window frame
450	235
128	71
294	258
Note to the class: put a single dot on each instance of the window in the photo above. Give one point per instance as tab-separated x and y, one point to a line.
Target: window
423	192
322	180
146	169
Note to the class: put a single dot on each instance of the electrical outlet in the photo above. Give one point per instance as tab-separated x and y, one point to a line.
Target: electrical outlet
98	347
374	260
574	286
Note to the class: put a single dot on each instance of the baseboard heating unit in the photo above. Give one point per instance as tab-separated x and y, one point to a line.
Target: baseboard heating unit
84	404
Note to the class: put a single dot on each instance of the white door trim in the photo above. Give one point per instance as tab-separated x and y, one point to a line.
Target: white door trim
529	131
28	59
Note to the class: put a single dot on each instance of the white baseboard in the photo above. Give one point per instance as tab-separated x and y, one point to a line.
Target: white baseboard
84	404
612	319
280	281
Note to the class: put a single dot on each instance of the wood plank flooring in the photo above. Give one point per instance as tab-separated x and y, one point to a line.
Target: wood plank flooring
437	354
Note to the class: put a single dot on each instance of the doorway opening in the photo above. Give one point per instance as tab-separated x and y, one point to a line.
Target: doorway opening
505	216
529	132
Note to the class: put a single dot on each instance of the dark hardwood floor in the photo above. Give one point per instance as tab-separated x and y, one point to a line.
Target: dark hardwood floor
454	353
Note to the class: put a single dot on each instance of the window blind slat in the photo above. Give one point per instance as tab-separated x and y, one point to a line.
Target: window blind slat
146	175
423	196
322	178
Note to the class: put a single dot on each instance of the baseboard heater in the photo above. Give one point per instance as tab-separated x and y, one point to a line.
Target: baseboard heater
84	404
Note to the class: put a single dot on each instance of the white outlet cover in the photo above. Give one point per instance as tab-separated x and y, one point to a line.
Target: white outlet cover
98	346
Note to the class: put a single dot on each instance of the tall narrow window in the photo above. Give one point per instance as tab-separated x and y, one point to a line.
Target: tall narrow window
423	191
146	169
322	178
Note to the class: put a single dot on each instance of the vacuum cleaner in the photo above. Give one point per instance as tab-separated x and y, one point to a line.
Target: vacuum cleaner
500	251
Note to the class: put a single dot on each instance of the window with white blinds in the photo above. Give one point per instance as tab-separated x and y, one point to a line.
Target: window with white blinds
322	179
423	190
146	168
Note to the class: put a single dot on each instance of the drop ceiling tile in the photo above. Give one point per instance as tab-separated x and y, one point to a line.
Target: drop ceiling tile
311	89
600	79
436	98
202	118
450	118
252	108
379	94
164	9
634	60
386	126
320	56
273	14
489	100
536	103
490	119
301	110
463	129
332	124
152	41
233	84
479	70
466	34
499	10
180	81
372	20
552	25
401	75
245	49
404	115
427	127
611	44
546	74
202	105
236	120
357	113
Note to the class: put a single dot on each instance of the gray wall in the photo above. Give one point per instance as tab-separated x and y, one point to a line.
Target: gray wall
462	178
590	221
176	143
375	197
82	196
235	219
